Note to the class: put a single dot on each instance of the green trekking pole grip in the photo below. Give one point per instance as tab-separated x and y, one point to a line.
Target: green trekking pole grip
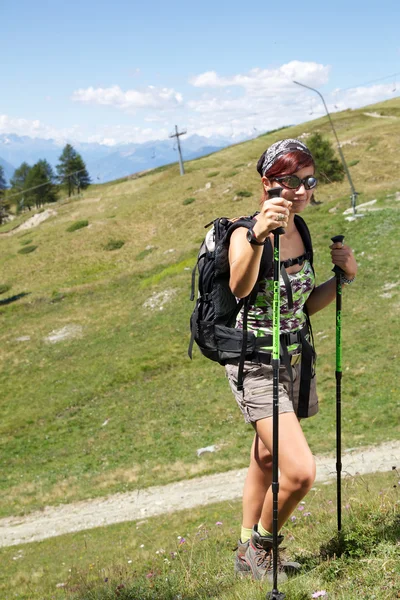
338	375
338	238
276	193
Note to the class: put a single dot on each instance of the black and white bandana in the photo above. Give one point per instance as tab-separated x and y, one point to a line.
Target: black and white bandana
278	149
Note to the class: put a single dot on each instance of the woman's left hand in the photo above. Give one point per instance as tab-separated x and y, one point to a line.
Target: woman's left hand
343	257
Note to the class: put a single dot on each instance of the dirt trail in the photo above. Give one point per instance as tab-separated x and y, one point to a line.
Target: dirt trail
149	502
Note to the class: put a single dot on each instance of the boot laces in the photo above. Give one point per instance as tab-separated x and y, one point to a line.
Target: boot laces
263	557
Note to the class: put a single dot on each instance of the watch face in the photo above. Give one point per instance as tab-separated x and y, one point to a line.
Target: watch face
252	239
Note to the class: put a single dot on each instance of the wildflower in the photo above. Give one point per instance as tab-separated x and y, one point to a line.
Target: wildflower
307	514
142	545
293	519
129	562
319	594
150	575
182	541
300	508
219	523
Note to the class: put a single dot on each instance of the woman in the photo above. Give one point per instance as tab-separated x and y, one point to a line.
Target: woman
287	164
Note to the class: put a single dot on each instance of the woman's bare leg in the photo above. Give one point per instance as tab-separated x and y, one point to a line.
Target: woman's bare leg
258	480
296	467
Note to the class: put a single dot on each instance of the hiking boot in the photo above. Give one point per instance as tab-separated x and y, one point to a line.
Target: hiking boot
242	569
259	558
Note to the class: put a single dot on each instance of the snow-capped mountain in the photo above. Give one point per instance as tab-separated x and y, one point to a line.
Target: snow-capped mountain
106	163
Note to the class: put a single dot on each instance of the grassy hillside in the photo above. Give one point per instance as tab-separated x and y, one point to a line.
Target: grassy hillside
119	405
189	555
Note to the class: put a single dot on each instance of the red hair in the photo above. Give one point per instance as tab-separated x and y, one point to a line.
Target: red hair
287	164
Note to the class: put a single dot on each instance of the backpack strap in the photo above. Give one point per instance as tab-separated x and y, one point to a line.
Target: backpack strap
302	228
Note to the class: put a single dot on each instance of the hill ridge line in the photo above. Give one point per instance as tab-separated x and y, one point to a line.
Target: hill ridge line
144	503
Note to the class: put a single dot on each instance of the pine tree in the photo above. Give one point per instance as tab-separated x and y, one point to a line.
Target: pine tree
39	185
72	171
3	183
4	205
18	180
327	167
18	185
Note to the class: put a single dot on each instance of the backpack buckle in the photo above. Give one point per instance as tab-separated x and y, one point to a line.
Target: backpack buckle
295	359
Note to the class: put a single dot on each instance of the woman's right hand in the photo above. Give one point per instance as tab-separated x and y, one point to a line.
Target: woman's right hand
273	213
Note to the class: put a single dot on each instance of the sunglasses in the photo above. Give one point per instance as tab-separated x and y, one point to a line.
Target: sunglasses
293	182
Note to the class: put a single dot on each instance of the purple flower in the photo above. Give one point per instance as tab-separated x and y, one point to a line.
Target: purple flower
219	523
293	519
182	541
307	514
319	594
300	508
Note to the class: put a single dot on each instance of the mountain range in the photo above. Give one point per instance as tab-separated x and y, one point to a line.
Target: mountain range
106	163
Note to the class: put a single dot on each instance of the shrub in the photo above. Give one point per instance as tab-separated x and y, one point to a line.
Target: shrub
188	201
213	174
328	168
26	242
27	249
244	194
114	245
4	288
56	297
78	225
144	253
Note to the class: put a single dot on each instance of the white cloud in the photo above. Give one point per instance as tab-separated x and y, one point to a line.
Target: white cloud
362	96
259	81
34	128
130	100
110	136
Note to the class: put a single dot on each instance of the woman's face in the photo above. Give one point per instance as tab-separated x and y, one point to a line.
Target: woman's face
299	197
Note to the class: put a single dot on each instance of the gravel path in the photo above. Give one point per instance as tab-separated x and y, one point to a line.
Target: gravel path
149	502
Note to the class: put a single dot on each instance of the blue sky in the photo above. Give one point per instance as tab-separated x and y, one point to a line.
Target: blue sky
124	71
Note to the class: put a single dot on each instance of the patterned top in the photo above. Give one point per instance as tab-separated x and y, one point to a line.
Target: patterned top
259	319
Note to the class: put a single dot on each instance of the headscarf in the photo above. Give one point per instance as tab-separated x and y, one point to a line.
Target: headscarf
268	158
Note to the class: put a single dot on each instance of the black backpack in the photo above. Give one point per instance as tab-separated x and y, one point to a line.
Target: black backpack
212	322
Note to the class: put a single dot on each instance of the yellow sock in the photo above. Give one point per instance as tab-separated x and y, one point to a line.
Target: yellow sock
261	529
245	535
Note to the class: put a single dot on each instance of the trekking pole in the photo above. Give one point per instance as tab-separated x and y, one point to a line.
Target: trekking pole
338	374
275	594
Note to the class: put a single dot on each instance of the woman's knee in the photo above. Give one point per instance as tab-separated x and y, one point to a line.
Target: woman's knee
302	476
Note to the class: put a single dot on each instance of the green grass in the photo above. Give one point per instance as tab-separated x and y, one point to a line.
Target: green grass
4	288
113	244
189	554
78	225
27	249
130	365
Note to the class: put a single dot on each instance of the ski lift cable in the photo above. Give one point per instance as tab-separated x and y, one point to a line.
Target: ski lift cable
45	183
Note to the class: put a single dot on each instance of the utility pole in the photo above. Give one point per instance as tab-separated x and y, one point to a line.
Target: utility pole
177	134
354	194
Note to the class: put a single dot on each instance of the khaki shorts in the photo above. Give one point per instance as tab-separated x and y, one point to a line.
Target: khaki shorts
257	400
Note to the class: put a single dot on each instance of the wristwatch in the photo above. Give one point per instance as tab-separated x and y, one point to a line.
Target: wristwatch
251	238
348	281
